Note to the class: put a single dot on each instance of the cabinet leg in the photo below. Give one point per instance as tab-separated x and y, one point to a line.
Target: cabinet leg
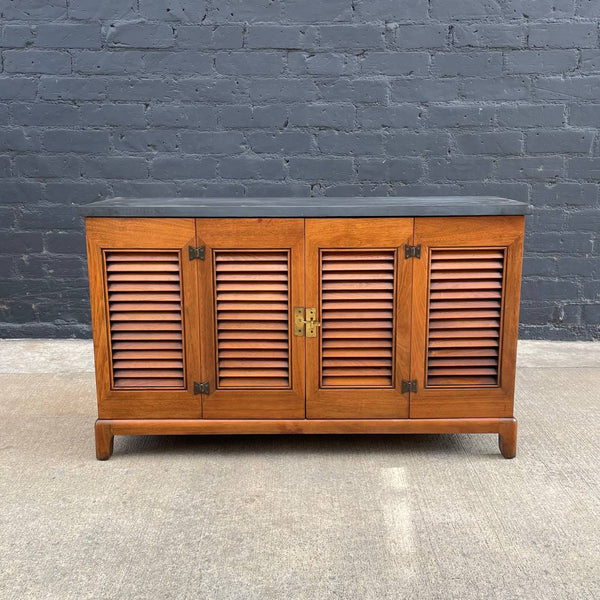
507	439
104	440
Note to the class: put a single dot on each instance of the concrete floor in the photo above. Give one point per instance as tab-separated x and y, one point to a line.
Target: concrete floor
372	517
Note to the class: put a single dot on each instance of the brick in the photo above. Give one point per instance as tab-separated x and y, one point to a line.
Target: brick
209	89
467	64
541	61
390	10
220	142
5	169
321	169
36	61
98	115
568	266
584	114
245	63
584	168
497	88
406	170
316	11
261	189
505	142
459	168
357	91
115	167
565	194
460	116
282	90
188	116
107	9
530	168
591	314
74	192
17	88
590	61
34	10
336	116
151	140
168	63
264	11
356	144
44	113
67	140
392	116
184	11
554	141
286	142
72	88
144	189
395	63
65	243
16	36
140	90
20	192
539	266
531	115
338	37
44	166
178	167
208	37
563	35
424	90
567	88
68	35
246	167
286	37
496	35
549	290
18	139
20	242
108	62
414	37
326	63
137	34
242	116
417	144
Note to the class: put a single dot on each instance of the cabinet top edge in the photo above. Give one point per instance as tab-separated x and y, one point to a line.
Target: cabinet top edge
321	207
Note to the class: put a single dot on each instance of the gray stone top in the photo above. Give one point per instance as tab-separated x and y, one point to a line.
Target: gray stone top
426	206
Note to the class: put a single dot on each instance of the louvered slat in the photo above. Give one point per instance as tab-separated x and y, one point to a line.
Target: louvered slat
145	314
357	318
465	316
252	290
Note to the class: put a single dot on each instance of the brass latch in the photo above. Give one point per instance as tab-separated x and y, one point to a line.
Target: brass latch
409	386
305	321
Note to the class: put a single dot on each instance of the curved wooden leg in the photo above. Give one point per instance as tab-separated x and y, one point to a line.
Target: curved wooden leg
104	440
507	439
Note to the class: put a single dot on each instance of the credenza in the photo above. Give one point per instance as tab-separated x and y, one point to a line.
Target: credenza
305	315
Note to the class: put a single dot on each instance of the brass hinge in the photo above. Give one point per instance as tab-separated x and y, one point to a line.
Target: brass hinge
201	388
409	386
199	252
305	326
412	251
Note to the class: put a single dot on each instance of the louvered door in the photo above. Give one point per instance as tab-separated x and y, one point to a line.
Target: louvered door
252	278
358	280
465	316
144	311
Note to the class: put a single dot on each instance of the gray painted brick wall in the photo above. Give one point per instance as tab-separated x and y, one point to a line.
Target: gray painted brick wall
297	97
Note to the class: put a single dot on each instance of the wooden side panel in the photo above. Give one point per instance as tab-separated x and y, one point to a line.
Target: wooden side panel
466	291
251	279
359	281
144	301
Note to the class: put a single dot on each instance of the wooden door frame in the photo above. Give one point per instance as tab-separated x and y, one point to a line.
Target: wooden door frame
260	234
356	233
471	232
170	234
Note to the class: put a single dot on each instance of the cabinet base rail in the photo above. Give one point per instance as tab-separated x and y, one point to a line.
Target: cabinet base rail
106	429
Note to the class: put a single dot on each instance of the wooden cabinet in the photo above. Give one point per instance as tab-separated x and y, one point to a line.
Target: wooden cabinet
293	322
